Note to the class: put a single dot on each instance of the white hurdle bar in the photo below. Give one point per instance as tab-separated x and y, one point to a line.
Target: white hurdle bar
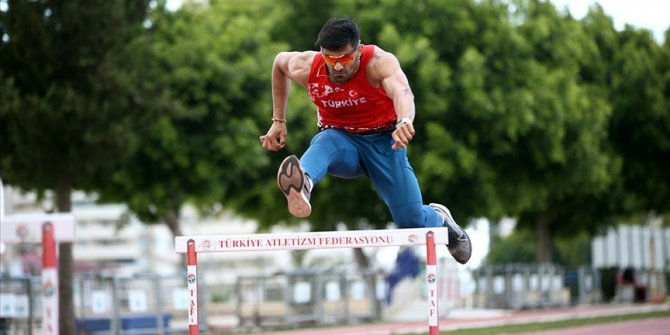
430	237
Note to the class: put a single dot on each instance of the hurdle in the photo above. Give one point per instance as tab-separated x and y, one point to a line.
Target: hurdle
47	229
430	237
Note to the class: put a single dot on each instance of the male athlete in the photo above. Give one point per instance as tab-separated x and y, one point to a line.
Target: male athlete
365	113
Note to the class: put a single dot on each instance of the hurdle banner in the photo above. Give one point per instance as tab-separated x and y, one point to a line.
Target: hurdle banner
47	229
430	237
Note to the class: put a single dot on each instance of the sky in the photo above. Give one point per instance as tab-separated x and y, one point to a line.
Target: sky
648	14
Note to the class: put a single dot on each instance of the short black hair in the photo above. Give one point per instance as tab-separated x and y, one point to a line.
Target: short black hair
337	33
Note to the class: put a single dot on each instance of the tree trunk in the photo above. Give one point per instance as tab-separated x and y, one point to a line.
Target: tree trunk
171	219
361	259
543	235
65	265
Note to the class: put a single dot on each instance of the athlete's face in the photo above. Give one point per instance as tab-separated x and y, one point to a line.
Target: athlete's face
342	64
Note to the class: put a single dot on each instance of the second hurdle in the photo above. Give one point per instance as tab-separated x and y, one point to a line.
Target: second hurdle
430	237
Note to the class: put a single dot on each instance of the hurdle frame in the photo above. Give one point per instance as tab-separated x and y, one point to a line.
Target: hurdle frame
430	237
48	229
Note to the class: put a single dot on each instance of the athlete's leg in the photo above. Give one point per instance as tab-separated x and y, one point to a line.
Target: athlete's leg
395	182
331	152
397	185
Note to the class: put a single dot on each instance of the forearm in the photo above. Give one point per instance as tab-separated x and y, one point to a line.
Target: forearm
403	102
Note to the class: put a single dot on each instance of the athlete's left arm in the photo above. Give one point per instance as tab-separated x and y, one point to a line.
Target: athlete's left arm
396	85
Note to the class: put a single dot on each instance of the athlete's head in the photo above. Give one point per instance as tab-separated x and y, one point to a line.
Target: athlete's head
338	33
339	41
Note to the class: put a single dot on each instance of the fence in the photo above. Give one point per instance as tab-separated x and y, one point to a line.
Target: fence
20	305
308	297
519	286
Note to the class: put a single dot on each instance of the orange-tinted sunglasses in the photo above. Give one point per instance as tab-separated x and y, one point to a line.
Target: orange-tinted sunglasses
344	60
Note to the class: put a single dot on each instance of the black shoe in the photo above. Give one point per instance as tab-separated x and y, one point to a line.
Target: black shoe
294	184
459	246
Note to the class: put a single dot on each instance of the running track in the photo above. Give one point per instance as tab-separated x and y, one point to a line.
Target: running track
637	327
657	326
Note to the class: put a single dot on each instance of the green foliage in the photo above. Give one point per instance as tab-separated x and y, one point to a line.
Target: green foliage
211	65
66	99
521	247
518	247
71	111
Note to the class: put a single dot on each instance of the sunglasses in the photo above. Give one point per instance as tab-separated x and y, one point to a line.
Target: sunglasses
344	60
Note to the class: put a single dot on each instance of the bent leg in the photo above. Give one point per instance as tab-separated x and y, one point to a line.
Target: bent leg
332	152
396	183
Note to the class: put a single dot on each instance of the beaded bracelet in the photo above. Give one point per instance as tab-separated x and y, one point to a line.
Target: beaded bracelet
276	119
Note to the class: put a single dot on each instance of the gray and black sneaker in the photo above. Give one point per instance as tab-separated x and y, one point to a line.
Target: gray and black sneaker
295	186
459	246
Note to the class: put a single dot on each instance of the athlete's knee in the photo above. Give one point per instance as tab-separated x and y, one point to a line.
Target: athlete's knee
410	216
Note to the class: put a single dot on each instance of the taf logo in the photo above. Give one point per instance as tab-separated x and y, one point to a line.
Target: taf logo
22	231
48	289
190	278
431	278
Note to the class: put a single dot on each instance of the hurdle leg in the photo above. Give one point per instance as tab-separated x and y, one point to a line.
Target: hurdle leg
192	279
431	285
49	281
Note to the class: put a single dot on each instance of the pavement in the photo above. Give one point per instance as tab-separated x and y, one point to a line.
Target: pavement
463	319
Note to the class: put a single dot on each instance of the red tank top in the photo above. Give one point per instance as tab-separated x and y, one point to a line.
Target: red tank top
354	106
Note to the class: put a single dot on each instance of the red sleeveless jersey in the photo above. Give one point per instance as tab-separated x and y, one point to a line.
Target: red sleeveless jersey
354	106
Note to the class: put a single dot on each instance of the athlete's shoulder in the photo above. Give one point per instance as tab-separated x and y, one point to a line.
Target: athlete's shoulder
381	63
296	64
295	59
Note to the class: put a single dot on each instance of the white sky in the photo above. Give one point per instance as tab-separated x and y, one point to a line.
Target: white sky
649	14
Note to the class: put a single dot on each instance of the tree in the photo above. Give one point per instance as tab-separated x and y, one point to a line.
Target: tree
69	112
561	159
210	61
639	130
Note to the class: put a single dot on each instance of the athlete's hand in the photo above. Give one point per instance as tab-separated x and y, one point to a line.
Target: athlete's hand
275	138
402	135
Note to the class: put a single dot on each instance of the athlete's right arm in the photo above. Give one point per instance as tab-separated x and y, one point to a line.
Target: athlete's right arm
287	66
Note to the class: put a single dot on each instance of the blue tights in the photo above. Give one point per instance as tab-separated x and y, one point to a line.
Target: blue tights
345	155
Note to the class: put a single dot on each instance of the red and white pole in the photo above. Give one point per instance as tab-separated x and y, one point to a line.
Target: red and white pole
192	278
49	281
431	285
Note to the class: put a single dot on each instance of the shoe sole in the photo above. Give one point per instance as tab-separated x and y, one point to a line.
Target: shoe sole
291	181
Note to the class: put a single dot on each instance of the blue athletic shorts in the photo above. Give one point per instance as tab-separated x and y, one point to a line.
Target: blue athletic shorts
345	155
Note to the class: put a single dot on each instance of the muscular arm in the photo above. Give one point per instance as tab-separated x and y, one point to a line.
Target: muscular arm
287	66
385	69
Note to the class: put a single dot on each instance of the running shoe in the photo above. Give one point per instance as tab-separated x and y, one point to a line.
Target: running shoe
459	245
296	186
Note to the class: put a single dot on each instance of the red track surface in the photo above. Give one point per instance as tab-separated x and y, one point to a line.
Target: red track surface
637	327
657	326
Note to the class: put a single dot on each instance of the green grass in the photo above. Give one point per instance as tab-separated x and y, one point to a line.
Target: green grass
541	326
